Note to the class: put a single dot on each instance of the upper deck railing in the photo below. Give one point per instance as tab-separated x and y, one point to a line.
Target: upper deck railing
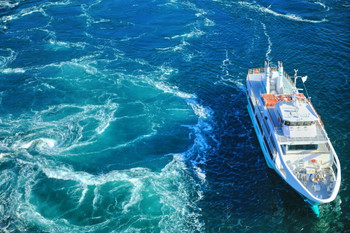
321	136
261	70
276	127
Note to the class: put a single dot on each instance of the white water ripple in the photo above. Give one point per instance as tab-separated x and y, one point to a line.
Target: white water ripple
286	16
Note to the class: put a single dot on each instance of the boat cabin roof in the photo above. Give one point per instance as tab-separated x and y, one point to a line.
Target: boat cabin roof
301	112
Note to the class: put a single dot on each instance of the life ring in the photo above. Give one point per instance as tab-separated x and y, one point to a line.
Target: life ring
256	71
313	160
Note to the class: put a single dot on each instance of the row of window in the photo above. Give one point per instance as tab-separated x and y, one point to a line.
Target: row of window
299	123
303	147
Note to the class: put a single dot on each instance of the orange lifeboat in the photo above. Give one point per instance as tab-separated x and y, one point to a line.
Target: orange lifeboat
284	98
270	100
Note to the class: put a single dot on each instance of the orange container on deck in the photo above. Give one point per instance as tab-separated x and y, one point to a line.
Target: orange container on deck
284	98
270	100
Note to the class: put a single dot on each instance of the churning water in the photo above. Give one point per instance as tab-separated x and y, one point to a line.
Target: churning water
130	116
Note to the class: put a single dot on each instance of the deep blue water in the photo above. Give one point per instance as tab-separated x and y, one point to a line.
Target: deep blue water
130	116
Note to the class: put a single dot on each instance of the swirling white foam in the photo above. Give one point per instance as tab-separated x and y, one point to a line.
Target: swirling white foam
7	56
172	186
62	134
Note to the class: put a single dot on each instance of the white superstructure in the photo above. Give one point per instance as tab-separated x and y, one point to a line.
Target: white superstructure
291	134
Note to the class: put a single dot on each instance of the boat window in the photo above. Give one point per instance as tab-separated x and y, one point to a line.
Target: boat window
298	123
303	147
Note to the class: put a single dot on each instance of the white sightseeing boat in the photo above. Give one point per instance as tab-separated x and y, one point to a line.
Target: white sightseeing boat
291	135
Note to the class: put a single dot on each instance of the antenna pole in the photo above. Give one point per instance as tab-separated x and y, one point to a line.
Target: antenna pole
295	76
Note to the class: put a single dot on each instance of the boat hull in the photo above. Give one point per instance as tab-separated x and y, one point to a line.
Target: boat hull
286	124
260	139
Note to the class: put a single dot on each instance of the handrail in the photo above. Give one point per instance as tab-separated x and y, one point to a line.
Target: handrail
320	135
290	178
313	108
288	77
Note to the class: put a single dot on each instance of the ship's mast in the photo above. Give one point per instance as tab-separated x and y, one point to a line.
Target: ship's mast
267	75
304	78
280	78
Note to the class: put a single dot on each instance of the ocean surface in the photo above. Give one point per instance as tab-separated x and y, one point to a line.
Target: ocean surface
130	115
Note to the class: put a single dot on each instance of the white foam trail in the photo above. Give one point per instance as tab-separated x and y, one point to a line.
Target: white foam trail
196	153
133	38
198	109
176	48
209	23
84	178
226	78
267	55
236	83
6	4
200	13
225	63
173	90
323	5
3	155
195	33
173	175
201	175
31	10
132	142
86	62
96	198
42	143
166	71
287	16
61	44
83	194
135	195
6	60
13	70
22	13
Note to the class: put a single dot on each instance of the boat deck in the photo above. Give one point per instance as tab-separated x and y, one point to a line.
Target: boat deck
292	137
320	182
257	84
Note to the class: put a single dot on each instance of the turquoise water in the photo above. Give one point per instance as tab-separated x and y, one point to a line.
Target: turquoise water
130	116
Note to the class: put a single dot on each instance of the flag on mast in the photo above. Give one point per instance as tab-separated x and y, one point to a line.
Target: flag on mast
304	78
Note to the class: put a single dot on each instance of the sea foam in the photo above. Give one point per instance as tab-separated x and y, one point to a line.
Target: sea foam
286	16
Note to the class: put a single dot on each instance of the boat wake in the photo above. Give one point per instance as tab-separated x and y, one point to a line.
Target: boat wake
267	55
226	78
267	10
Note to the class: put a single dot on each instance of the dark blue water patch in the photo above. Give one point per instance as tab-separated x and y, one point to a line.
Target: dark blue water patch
62	11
